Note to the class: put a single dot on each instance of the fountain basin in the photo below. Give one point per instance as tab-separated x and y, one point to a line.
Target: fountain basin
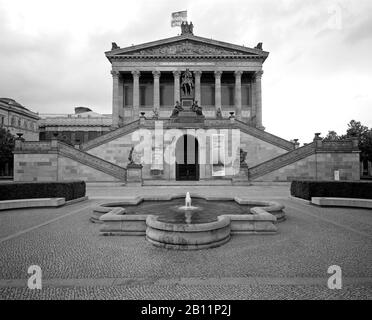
188	236
127	217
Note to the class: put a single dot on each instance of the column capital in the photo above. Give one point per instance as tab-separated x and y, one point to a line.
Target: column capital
238	73
198	73
259	74
136	73
217	73
115	73
156	74
176	73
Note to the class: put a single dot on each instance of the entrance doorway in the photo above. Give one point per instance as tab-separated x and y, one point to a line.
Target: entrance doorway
187	158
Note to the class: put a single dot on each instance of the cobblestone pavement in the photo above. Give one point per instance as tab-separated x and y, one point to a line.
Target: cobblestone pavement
77	263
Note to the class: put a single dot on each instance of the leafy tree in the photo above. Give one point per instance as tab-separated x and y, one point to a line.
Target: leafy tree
7	141
363	133
332	135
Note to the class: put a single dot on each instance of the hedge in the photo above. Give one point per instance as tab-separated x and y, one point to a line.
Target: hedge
332	189
29	190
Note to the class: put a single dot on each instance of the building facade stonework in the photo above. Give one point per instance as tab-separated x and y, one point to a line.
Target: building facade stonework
18	119
186	108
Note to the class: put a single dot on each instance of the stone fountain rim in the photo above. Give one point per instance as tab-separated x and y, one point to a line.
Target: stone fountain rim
113	210
223	221
135	200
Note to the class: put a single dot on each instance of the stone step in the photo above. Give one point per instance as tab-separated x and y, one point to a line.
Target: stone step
220	182
281	161
92	161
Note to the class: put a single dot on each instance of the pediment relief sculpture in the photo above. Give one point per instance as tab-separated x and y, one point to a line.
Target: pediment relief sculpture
187	48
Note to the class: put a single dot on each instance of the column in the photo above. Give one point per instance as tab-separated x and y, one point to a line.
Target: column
258	95
197	74
136	74
115	98
217	89
238	94
252	101
121	101
176	75
156	75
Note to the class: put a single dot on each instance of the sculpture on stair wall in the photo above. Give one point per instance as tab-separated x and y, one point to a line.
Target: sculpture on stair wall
196	108
176	110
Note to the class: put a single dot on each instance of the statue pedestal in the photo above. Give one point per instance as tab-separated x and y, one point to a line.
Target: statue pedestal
134	174
242	177
188	116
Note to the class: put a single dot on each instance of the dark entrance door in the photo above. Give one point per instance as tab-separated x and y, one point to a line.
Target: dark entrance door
187	159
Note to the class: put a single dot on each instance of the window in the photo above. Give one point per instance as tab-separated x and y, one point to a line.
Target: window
128	95
146	95
166	94
245	95
207	94
227	94
1	121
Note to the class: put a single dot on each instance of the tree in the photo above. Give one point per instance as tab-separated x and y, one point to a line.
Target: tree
7	142
332	135
364	134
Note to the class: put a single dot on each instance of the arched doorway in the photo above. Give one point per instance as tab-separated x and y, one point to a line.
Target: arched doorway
187	158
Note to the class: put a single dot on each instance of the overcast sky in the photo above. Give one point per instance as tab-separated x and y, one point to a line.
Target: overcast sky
316	78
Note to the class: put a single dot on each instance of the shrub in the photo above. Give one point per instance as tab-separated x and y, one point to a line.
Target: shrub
30	190
332	189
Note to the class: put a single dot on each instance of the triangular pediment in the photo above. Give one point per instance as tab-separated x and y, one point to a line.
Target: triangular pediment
188	45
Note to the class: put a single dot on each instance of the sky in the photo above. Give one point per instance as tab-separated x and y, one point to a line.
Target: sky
317	77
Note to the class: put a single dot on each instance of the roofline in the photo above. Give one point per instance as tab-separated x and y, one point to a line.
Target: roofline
122	51
19	110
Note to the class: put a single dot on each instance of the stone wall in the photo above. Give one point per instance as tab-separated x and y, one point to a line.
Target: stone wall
69	169
54	167
258	151
35	167
117	152
320	166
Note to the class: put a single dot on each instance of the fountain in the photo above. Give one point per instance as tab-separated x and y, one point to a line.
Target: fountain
188	200
188	208
179	222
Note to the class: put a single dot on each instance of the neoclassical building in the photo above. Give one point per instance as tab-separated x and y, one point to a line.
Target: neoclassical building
146	77
18	119
186	108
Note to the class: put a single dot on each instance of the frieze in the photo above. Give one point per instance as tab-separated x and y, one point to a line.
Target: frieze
187	48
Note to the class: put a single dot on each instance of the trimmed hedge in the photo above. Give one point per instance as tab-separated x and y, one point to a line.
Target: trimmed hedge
332	189
30	190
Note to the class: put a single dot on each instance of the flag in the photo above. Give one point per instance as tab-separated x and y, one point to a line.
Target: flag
178	18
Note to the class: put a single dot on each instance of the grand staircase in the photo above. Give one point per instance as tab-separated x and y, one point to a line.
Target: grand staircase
290	157
281	161
264	136
92	161
111	135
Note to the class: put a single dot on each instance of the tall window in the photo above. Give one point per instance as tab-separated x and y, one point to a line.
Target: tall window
128	95
146	95
207	94
227	92
245	95
166	94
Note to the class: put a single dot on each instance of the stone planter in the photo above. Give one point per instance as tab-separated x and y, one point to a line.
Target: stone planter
134	174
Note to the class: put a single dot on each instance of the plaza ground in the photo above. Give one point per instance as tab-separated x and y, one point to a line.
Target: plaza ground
78	263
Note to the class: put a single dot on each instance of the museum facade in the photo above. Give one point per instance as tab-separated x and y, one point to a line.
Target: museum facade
187	108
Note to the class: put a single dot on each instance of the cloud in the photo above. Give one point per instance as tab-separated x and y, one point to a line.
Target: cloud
316	77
